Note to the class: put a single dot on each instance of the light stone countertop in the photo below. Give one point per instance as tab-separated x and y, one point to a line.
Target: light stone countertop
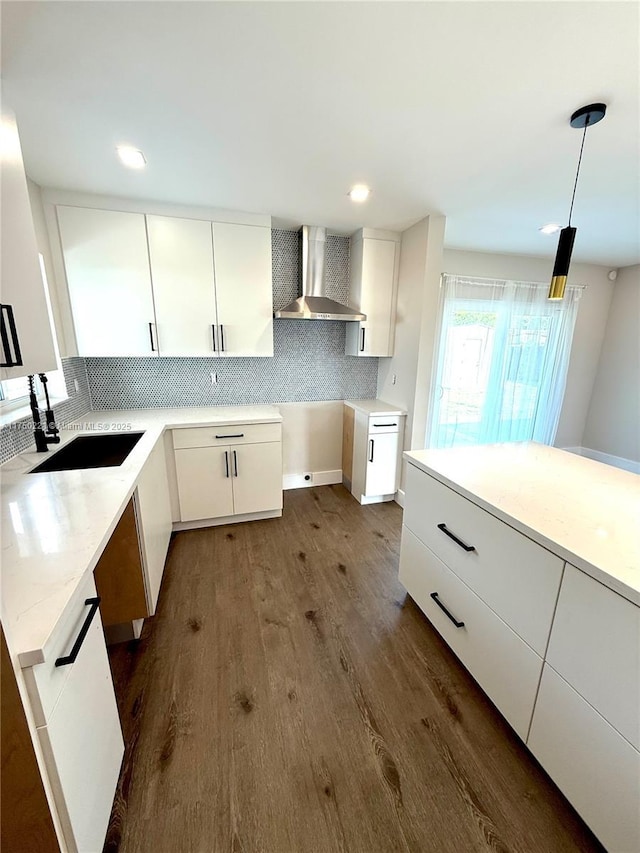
55	525
585	511
374	407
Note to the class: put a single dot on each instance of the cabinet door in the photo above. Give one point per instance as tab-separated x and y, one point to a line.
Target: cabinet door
107	268
27	332
382	464
153	508
372	291
257	477
242	261
204	482
181	256
596	769
82	744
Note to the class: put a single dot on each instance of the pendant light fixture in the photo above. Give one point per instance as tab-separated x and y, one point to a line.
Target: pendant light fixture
584	117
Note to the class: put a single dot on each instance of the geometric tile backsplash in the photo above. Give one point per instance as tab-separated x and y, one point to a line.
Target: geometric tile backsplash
308	362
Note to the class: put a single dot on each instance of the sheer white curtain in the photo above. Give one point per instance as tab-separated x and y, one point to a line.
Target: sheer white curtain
502	359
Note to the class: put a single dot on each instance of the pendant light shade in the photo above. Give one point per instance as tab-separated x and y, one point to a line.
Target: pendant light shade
561	266
582	118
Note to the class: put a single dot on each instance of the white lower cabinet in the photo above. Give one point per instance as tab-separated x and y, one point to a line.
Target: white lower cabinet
502	664
382	464
82	739
217	480
372	445
153	514
594	766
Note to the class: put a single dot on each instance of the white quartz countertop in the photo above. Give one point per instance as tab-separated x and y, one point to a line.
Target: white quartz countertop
55	525
585	511
374	407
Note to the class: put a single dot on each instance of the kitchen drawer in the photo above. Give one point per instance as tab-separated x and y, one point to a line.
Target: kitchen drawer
502	664
221	435
595	768
45	680
386	423
595	646
515	576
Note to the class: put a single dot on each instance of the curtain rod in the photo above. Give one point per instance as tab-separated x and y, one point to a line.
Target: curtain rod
501	282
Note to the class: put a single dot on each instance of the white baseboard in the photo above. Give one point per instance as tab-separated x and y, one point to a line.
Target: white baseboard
226	519
400	497
606	458
316	478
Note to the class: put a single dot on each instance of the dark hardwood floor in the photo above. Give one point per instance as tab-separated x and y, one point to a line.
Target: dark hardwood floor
288	697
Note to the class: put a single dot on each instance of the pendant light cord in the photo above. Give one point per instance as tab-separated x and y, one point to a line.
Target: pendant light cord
575	184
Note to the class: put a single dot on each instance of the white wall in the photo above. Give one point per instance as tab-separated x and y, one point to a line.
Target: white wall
613	421
417	313
590	323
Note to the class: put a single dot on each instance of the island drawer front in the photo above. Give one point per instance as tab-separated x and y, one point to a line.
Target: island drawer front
515	576
502	664
595	646
45	680
217	436
594	767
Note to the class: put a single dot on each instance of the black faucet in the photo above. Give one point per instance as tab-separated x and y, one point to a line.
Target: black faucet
43	437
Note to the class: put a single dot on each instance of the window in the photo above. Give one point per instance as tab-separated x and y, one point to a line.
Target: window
14	393
502	360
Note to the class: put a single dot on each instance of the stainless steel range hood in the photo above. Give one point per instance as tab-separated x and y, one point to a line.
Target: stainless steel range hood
314	304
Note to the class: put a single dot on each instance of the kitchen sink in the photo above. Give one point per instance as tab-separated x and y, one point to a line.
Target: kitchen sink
91	451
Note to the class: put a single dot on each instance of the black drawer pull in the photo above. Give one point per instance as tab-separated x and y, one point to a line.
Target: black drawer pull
226	463
434	595
459	542
371	442
237	435
362	340
235	463
213	337
73	654
153	345
383	425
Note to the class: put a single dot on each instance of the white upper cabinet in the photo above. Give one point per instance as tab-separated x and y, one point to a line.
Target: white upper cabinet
373	289
160	285
242	261
107	267
26	335
181	255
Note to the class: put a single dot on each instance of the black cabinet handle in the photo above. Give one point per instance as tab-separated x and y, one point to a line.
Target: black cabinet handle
153	346
383	425
434	595
370	450
13	357
236	435
226	462
235	463
362	330
459	542
73	654
213	336
221	338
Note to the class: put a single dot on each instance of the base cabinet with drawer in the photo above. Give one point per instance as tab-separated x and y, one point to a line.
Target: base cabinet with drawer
372	447
555	650
229	472
78	726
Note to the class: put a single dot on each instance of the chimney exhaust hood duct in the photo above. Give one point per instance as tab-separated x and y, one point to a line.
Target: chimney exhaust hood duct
313	304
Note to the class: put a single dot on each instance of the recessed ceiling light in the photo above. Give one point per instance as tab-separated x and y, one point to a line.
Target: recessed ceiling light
359	193
131	157
551	228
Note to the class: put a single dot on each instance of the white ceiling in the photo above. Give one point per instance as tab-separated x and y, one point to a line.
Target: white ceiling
453	107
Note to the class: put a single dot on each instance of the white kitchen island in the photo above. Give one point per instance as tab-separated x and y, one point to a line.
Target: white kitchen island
526	560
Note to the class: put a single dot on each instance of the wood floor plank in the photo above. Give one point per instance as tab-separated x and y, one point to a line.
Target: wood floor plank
289	697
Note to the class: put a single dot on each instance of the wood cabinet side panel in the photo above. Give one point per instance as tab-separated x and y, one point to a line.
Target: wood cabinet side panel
348	425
